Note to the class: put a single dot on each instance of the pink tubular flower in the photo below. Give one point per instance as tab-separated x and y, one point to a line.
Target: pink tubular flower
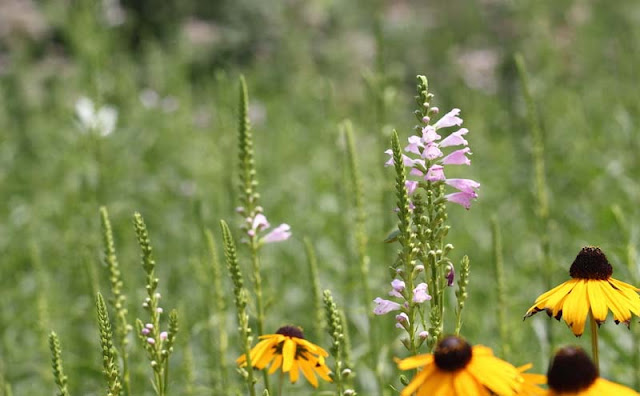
431	152
458	157
164	335
449	119
465	185
385	306
461	198
415	143
278	234
397	288
455	139
435	173
429	135
411	186
402	320
420	294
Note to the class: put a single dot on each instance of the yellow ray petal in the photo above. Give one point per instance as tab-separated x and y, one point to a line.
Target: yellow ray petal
465	384
415	361
630	292
288	354
419	380
597	300
276	364
576	308
294	373
308	373
617	303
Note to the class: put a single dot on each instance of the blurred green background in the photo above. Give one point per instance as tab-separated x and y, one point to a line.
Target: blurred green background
170	69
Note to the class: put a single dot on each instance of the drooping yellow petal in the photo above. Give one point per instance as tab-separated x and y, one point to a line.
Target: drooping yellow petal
576	308
465	384
308	373
630	292
499	376
604	387
419	380
263	356
597	300
553	299
276	364
415	361
294	373
288	354
617	303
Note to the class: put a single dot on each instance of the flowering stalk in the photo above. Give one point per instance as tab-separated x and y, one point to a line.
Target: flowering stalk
336	331
461	293
111	369
220	309
423	264
158	344
241	301
56	362
118	300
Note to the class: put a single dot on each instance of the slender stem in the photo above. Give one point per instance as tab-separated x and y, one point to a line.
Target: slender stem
257	284
594	341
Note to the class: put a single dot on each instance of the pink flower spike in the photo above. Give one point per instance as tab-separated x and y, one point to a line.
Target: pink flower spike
461	198
449	119
435	173
411	186
458	157
385	306
420	293
279	234
455	139
414	145
465	185
415	172
164	335
429	134
432	152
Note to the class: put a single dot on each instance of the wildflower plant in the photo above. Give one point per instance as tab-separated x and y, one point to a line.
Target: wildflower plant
423	271
56	362
157	343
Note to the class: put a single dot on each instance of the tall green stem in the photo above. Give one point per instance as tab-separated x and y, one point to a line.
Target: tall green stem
594	341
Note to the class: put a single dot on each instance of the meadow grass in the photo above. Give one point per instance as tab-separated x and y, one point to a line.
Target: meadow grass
327	83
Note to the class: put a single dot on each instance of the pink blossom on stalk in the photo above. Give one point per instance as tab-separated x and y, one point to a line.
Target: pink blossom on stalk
402	319
429	134
465	185
420	294
435	173
385	306
458	157
423	334
455	139
406	161
414	145
164	335
397	288
145	331
432	152
461	198
280	233
449	119
411	186
151	341
259	222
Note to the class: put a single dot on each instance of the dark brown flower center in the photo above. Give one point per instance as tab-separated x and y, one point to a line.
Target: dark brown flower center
452	353
591	263
291	331
571	370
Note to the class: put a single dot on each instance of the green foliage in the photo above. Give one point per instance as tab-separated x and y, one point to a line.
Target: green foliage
173	78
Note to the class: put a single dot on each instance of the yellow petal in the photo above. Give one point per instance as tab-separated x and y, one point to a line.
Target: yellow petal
415	361
418	380
576	308
288	354
308	373
294	373
597	300
276	363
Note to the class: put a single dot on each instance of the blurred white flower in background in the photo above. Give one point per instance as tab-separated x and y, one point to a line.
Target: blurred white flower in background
102	121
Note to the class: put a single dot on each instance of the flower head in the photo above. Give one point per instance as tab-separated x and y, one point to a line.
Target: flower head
420	294
572	373
431	161
385	306
287	349
260	223
591	290
458	369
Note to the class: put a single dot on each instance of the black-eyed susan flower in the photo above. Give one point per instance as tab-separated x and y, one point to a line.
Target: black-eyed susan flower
591	290
458	369
572	373
288	349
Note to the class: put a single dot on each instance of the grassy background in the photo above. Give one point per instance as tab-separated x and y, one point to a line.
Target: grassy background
309	65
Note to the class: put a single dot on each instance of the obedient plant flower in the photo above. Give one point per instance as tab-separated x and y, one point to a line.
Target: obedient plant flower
385	306
458	369
260	223
420	294
101	121
591	291
431	161
287	349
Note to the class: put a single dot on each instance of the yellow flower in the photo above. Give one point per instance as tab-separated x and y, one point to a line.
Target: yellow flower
572	373
591	290
457	369
288	349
